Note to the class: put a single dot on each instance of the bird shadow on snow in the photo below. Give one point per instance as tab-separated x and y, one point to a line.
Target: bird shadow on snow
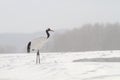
112	59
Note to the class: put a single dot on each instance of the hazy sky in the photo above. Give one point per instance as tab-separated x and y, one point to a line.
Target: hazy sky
24	16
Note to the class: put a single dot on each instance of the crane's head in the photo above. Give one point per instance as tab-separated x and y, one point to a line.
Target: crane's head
47	31
50	30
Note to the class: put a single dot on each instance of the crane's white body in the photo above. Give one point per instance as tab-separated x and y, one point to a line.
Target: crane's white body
38	43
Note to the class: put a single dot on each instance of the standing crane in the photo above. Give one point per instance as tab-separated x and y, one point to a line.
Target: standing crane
36	44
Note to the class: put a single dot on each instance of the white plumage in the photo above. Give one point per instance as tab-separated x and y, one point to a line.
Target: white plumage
37	43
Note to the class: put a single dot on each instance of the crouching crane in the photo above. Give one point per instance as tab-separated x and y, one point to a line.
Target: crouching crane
36	44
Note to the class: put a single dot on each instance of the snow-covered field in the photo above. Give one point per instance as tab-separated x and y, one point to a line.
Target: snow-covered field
97	65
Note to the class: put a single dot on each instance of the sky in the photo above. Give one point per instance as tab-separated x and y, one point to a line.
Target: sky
28	16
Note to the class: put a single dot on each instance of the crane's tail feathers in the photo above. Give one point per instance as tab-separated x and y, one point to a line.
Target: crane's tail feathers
29	47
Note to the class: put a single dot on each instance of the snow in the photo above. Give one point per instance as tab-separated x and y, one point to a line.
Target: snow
94	65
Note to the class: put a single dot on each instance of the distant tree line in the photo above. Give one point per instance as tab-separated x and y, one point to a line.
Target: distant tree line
7	49
89	37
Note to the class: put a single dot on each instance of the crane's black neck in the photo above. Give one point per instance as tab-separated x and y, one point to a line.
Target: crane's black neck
48	34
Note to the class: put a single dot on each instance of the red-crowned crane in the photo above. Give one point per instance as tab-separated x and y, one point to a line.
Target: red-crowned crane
36	44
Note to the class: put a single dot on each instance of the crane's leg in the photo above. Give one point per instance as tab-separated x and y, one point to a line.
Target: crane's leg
38	57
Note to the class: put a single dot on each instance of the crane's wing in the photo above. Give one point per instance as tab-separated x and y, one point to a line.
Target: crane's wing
38	43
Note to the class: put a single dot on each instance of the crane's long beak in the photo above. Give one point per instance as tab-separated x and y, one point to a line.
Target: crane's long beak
52	30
